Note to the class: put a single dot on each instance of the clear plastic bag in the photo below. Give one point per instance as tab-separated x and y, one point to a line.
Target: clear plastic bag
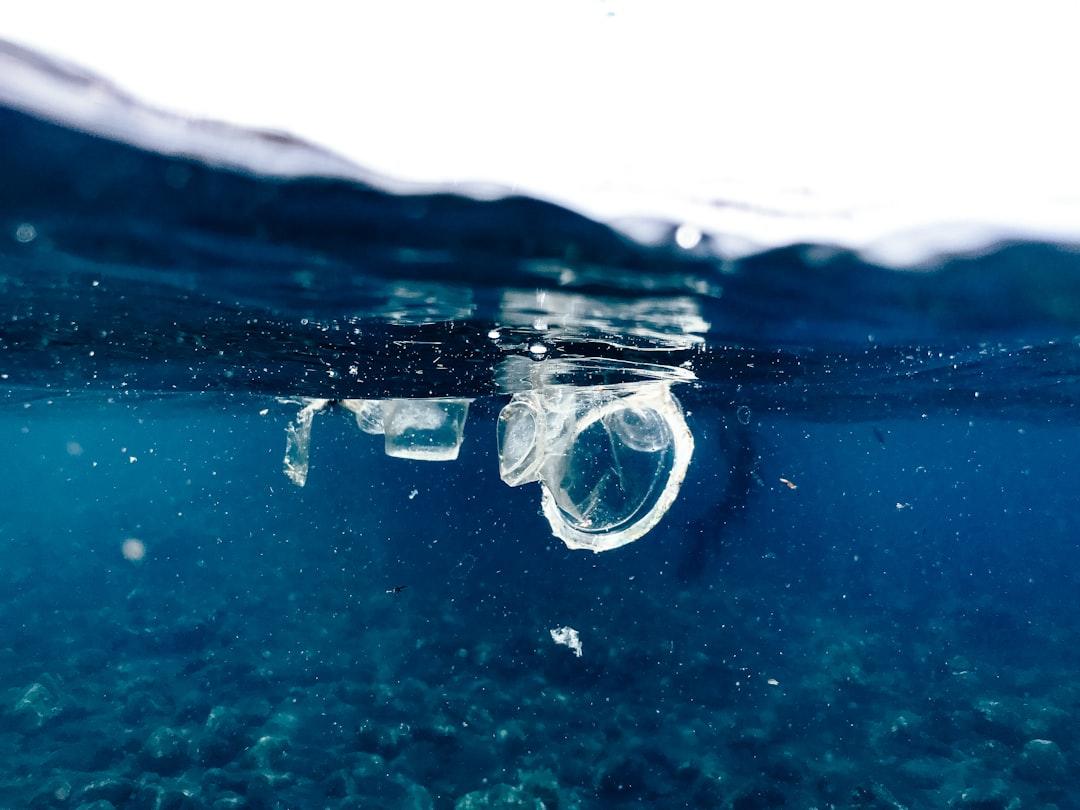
610	460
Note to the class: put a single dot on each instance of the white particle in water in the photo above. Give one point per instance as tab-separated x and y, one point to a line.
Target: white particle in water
25	233
687	237
567	637
133	549
538	349
494	334
413	493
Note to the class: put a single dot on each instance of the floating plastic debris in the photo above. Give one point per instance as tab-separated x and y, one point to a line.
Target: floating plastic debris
425	429
368	412
610	460
421	429
567	637
298	441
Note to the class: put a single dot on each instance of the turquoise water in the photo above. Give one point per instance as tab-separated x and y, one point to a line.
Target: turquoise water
860	592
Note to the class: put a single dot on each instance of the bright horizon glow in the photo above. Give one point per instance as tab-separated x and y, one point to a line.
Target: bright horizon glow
913	115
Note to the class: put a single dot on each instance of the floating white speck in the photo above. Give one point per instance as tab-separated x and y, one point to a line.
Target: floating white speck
773	682
413	493
687	237
132	459
568	637
538	349
133	549
494	334
264	412
25	233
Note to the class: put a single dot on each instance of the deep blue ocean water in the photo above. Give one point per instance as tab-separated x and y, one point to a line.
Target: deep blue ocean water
863	595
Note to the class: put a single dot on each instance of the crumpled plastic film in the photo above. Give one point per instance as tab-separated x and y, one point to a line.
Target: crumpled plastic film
610	460
298	441
368	413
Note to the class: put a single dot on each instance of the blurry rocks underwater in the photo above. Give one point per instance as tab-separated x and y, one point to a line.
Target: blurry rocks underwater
388	700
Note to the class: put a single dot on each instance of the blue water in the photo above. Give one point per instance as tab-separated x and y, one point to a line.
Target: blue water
864	594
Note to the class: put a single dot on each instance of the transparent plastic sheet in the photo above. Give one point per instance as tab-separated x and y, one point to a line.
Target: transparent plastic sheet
298	441
610	461
368	413
420	429
425	429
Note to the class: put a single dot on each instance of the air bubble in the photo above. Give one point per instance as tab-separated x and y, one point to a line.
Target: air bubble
687	237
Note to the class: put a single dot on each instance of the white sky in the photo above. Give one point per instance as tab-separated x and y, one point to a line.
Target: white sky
927	112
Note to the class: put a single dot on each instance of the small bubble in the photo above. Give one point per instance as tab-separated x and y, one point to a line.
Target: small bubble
742	413
687	237
25	233
74	449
